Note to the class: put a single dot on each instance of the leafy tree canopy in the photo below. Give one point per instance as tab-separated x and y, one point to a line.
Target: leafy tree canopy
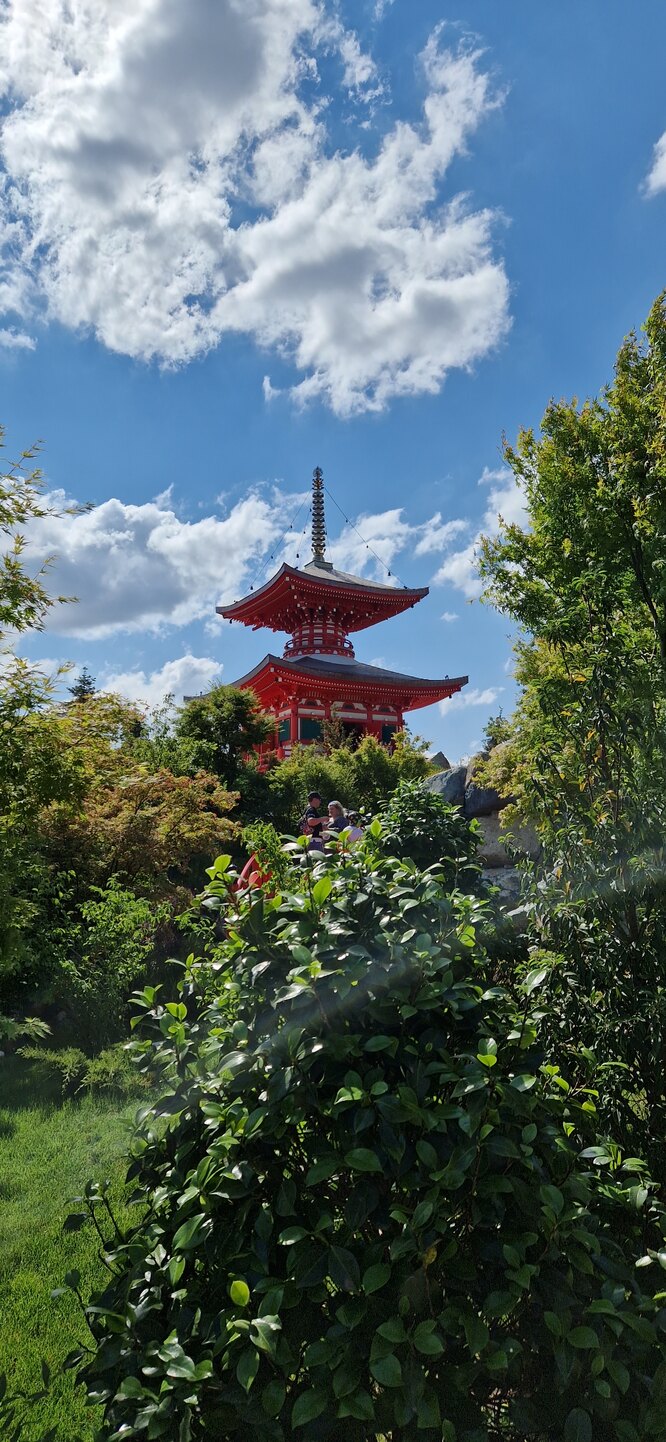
585	756
585	579
224	724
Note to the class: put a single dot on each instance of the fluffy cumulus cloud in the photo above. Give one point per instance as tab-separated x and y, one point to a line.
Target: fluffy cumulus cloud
656	179
134	568
170	176
184	676
13	339
505	502
474	697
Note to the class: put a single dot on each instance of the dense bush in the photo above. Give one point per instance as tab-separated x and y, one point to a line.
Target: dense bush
373	1211
98	954
110	1071
417	824
361	778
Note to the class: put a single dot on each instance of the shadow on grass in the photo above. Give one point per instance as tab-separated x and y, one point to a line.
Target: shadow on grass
26	1086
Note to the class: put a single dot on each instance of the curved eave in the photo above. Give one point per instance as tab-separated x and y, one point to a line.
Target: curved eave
271	604
276	675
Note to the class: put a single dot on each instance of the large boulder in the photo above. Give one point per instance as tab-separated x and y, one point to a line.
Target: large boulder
450	785
440	761
479	800
492	852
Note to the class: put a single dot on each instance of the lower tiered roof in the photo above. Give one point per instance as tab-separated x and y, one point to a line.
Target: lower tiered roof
274	677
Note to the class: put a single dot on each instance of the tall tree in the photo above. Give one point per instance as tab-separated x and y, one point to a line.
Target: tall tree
84	686
585	580
33	770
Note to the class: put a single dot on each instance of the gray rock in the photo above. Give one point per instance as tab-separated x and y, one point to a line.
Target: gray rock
450	785
481	800
492	851
523	842
508	882
440	761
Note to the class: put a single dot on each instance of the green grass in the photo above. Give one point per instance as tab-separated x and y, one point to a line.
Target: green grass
48	1150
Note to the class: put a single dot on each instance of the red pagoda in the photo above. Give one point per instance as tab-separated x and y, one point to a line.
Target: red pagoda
318	678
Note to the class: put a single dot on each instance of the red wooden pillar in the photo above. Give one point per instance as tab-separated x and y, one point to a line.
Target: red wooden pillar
293	719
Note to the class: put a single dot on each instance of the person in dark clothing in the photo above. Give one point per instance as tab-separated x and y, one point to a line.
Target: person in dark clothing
312	823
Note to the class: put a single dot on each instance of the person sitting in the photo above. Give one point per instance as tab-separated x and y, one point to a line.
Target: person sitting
355	830
337	821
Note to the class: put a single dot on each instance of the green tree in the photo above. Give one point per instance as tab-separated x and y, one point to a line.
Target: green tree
24	600
34	773
84	686
585	580
225	724
373	1211
585	757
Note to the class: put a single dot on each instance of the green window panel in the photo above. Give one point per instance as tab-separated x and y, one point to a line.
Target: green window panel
284	730
310	729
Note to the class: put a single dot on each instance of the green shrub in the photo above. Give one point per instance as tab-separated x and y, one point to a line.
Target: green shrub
111	1070
362	779
68	1063
108	956
374	1212
262	840
417	824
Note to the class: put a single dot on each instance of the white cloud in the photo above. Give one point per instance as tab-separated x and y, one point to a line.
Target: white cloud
473	697
11	339
438	535
656	179
382	535
135	567
171	177
505	501
142	567
184	676
449	616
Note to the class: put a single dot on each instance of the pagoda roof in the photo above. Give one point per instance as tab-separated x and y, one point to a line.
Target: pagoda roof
358	601
351	676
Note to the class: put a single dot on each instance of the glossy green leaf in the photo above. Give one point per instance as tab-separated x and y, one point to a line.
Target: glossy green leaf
308	1406
361	1159
578	1426
376	1277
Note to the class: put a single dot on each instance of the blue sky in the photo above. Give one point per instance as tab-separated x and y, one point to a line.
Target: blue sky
240	240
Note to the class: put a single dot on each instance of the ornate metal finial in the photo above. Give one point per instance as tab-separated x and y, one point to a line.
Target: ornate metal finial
318	517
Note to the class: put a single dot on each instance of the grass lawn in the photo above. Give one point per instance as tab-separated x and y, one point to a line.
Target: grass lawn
48	1150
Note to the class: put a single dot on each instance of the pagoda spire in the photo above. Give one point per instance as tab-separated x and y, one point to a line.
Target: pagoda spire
318	516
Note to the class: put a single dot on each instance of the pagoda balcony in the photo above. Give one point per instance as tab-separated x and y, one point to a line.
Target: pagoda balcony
319	638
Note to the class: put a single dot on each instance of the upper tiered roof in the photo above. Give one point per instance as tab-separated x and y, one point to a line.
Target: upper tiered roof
319	595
